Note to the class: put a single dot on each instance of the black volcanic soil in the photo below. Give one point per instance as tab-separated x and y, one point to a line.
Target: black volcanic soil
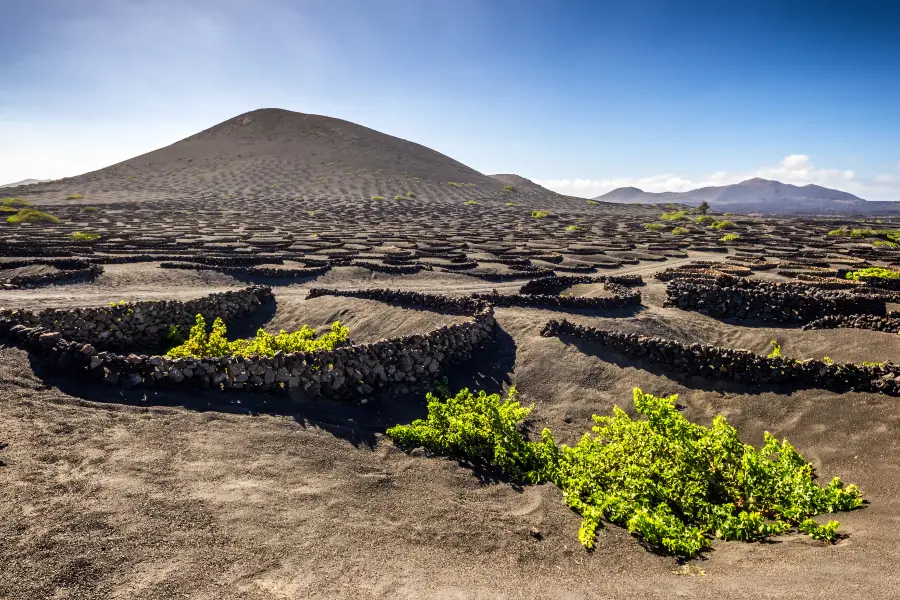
106	493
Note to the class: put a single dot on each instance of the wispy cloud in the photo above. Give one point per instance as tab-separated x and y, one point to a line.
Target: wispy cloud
797	169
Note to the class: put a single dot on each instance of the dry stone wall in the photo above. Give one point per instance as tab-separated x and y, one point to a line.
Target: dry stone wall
769	301
737	365
140	325
67	269
353	371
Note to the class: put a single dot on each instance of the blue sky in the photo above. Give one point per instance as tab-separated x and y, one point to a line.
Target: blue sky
581	96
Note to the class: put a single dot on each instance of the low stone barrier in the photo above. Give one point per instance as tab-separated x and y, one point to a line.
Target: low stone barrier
769	301
139	325
68	269
251	271
556	283
390	269
345	372
622	297
888	324
458	305
741	366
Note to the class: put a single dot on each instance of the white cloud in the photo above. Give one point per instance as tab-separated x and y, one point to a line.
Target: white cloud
797	169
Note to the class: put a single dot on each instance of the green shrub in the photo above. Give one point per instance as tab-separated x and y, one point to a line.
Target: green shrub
539	214
721	225
680	231
88	209
879	272
13	203
471	202
411	194
653	226
674	215
174	337
80	236
399	197
453	184
729	237
592	202
572	228
511	204
74	197
377	197
705	219
201	344
839	232
776	350
673	483
32	215
884	244
508	188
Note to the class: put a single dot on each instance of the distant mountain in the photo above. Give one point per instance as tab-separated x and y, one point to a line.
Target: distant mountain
23	182
758	195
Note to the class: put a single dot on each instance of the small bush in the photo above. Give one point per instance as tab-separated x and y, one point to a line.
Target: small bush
32	215
453	184
653	226
509	188
592	202
399	197
80	236
674	215
680	231
201	344
471	202
539	214
573	228
729	237
13	203
722	225
884	244
511	204
776	350
377	197
411	194
673	483
839	233
88	209
75	197
705	219
877	272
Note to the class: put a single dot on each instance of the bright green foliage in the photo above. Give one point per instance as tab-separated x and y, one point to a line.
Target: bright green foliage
592	202
453	184
399	197
776	350
839	232
653	226
32	215
201	344
674	215
471	203
75	197
572	228
729	237
884	243
511	204
377	197
13	202
411	194
705	219
508	188
680	231
674	483
89	209
720	225
539	214
879	272
80	236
